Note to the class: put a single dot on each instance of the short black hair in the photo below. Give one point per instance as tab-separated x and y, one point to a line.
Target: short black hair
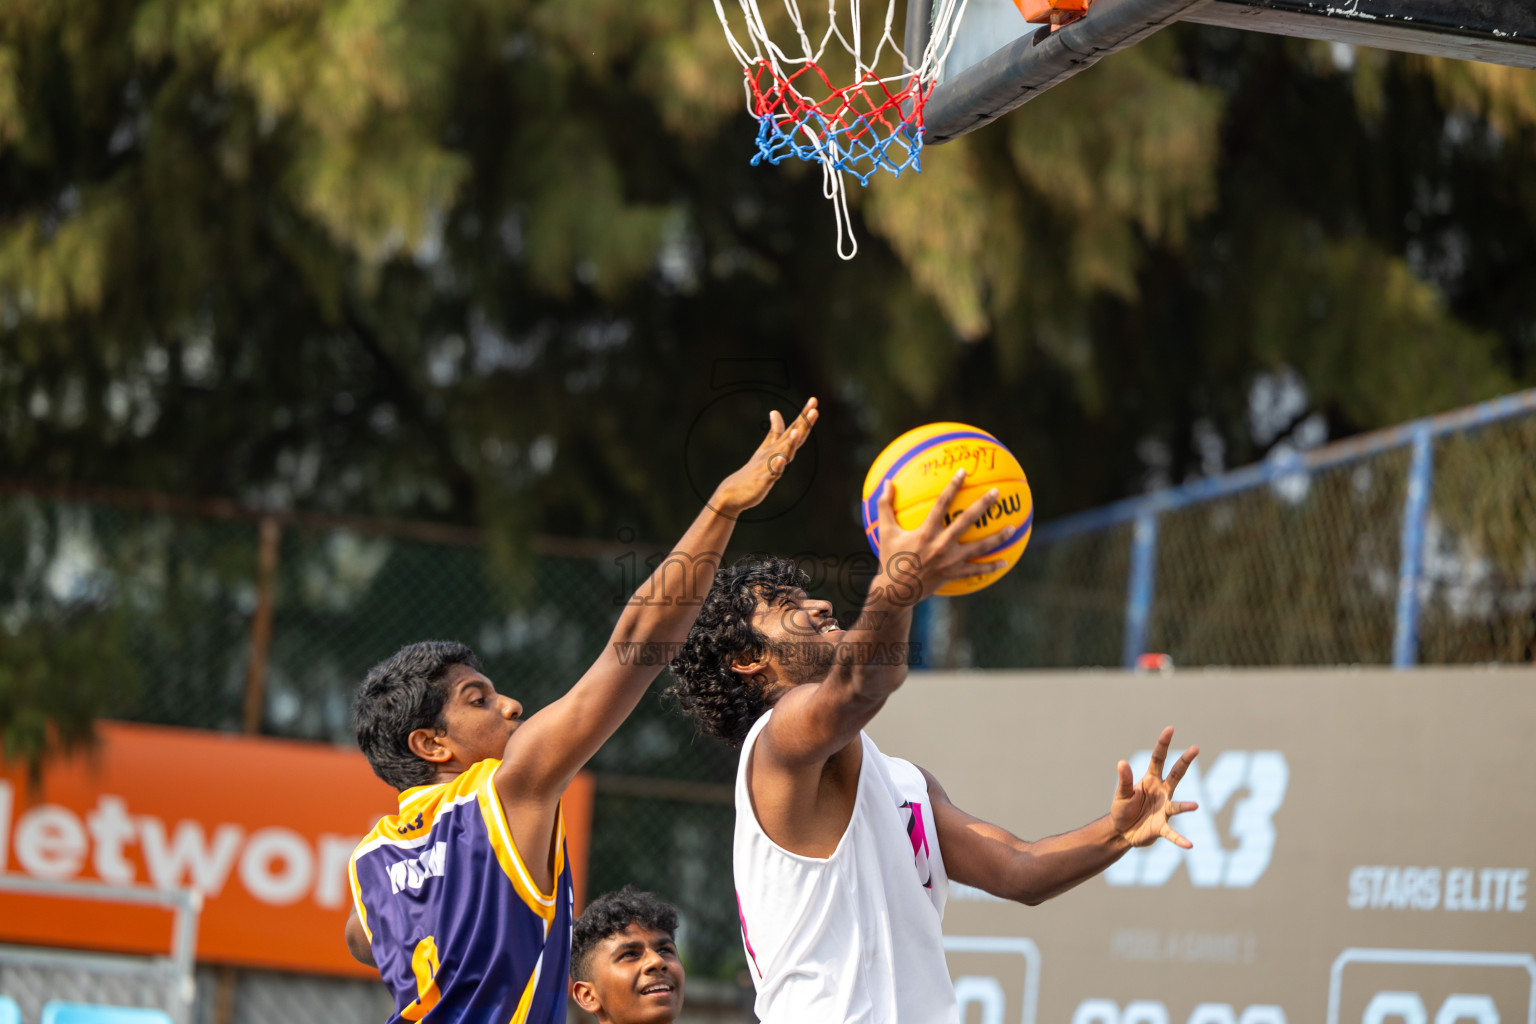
610	914
399	695
723	702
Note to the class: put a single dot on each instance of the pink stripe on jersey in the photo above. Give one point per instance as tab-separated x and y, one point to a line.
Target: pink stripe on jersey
743	919
917	831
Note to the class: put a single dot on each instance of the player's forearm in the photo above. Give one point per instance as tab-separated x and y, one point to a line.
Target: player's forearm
874	648
1049	867
664	607
869	664
657	618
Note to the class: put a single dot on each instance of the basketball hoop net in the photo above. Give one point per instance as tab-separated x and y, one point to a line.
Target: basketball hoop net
873	123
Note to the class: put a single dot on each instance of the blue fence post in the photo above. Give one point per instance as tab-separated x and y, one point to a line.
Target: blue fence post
920	655
1405	641
1138	598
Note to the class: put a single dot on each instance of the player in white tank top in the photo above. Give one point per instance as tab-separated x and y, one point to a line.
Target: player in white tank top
854	936
842	855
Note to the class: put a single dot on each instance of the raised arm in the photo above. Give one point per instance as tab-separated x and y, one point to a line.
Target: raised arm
812	723
981	854
545	752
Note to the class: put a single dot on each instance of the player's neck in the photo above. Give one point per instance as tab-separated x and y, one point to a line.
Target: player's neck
448	772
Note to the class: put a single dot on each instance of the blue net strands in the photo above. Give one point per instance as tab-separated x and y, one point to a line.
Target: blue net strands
860	128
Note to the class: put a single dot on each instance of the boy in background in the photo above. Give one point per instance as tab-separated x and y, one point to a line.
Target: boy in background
624	965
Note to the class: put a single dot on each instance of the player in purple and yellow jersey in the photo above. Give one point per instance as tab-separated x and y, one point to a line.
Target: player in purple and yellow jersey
463	899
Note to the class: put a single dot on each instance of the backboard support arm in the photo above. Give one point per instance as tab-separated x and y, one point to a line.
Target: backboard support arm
919	30
1033	63
1491	31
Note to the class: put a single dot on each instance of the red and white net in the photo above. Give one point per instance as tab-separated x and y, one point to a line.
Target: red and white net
873	121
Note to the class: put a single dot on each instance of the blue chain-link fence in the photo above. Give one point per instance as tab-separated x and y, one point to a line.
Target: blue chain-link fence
1410	545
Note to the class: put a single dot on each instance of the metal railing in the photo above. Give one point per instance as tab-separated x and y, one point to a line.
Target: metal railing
1336	555
171	977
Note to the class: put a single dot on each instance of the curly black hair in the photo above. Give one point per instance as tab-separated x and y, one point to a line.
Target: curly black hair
723	702
610	914
399	695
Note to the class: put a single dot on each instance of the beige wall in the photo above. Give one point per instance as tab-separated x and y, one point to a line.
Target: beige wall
1362	832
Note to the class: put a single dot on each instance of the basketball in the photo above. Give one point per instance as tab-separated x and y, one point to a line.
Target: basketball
921	462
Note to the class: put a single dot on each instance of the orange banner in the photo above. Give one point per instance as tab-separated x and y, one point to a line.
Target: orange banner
263	827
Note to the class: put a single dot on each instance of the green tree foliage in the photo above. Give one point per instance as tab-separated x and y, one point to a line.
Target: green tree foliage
480	262
438	261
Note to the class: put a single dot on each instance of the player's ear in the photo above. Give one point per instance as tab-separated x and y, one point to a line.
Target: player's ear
750	663
586	997
427	744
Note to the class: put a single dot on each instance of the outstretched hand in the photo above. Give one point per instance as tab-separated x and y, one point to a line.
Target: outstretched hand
917	562
750	484
1140	811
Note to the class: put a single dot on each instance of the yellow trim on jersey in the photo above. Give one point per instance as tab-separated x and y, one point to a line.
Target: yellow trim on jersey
507	853
424	803
357	896
525	1004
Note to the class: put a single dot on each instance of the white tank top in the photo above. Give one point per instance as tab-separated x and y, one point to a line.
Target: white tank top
853	938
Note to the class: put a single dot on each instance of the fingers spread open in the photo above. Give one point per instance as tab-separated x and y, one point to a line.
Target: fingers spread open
1181	806
987	544
789	439
1126	787
965	570
972	514
1181	766
945	499
1177	840
1160	753
886	505
792	442
801	428
807	417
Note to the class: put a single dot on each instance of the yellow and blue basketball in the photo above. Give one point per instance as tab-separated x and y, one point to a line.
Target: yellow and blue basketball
920	464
